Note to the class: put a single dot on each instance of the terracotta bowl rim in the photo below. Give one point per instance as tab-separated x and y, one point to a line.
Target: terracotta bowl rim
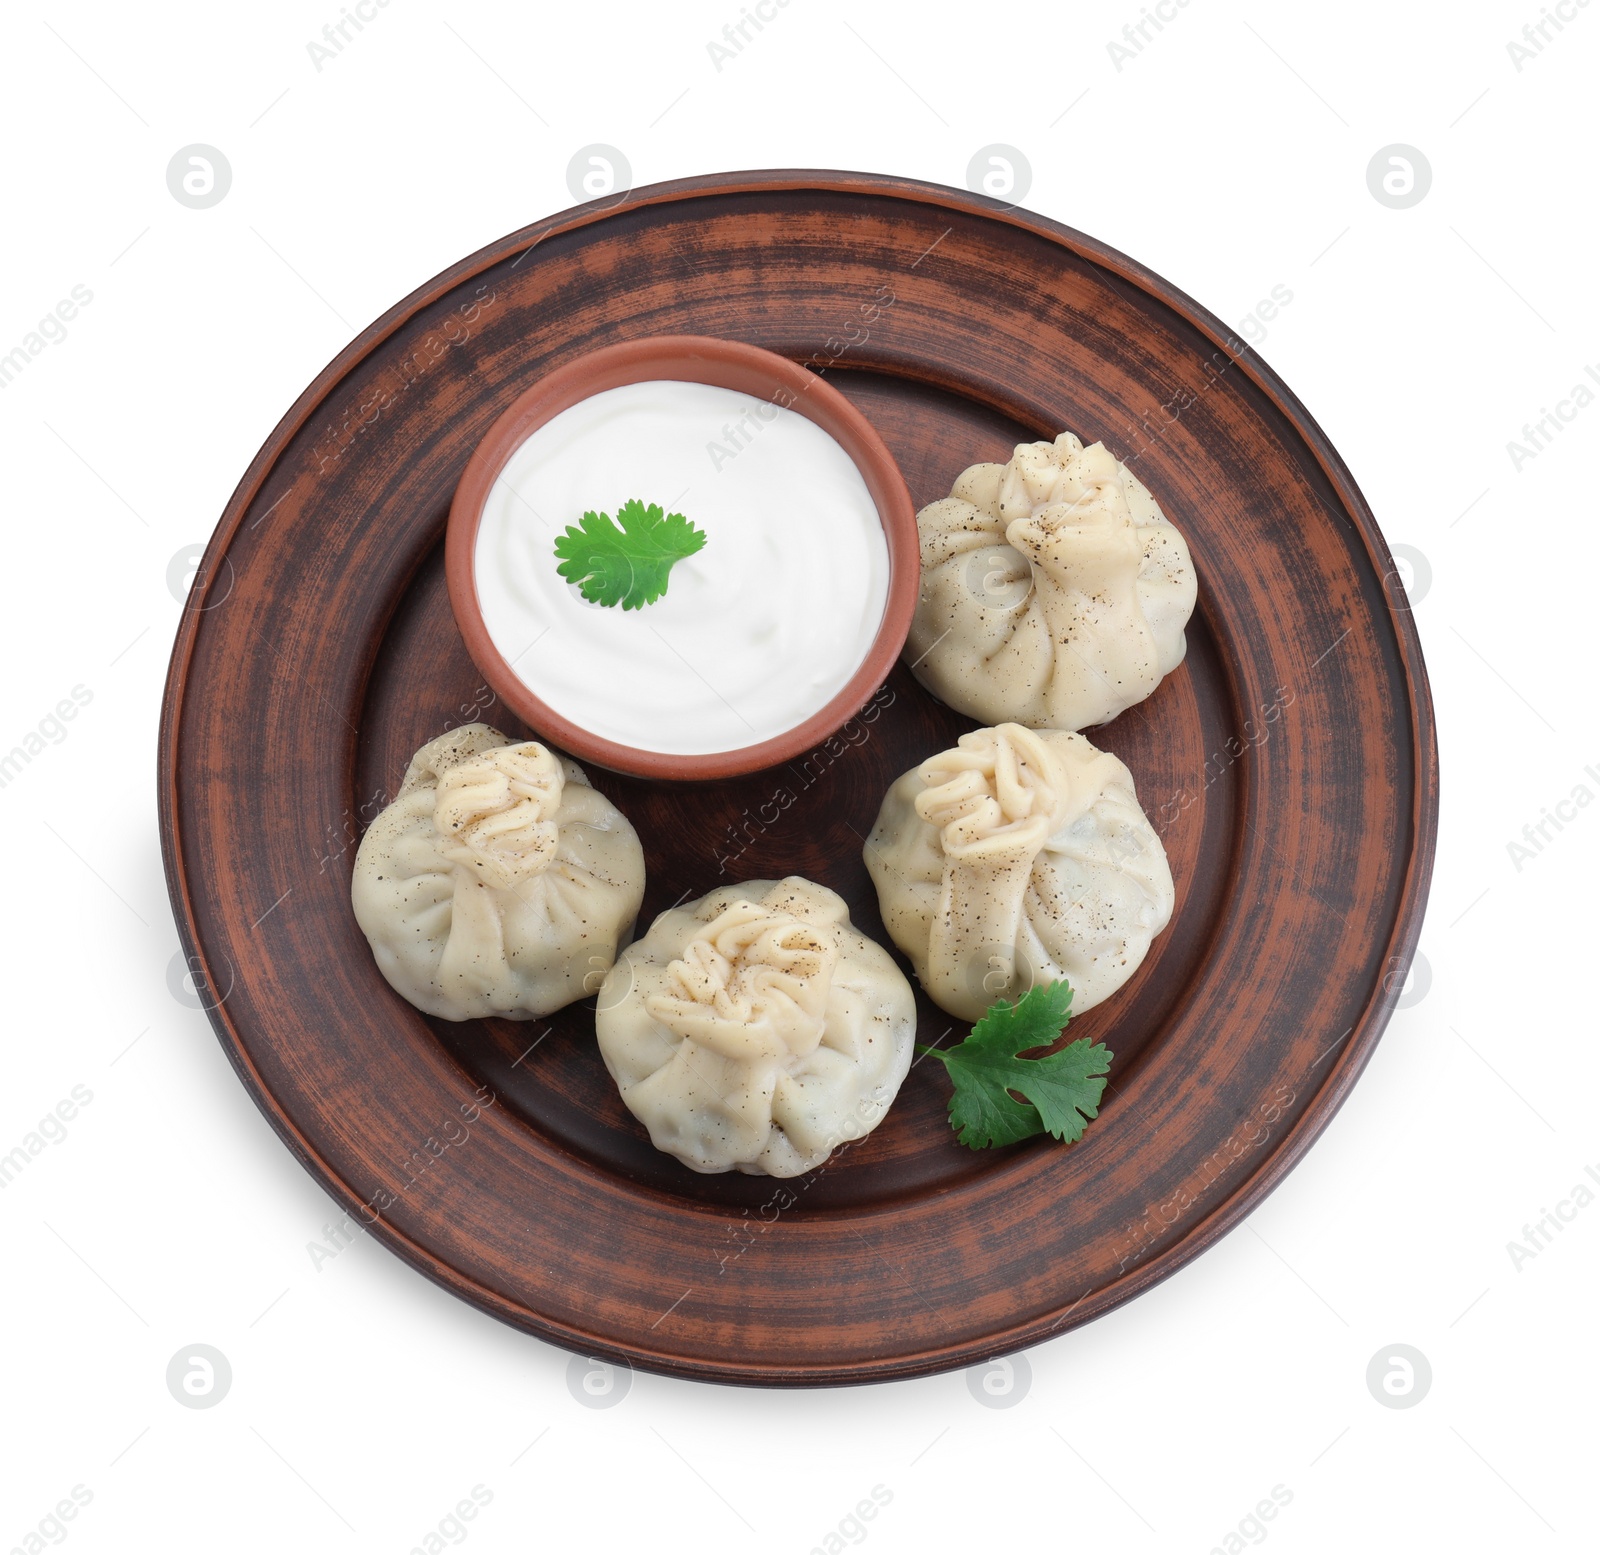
726	364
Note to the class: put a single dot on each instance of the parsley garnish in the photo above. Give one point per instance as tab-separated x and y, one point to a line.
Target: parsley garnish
1061	1090
626	561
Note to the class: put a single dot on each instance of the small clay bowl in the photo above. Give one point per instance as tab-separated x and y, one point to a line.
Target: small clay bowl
728	364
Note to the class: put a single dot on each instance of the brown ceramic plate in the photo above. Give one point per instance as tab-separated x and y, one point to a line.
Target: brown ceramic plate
1289	763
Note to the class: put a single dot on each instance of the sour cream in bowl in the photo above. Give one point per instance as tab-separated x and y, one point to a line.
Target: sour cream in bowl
790	539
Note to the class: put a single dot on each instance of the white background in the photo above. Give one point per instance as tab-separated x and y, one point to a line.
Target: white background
1230	155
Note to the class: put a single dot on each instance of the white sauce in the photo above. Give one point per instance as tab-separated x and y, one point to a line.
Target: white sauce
757	631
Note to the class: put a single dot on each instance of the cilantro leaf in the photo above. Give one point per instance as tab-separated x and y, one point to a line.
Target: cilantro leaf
626	561
1062	1090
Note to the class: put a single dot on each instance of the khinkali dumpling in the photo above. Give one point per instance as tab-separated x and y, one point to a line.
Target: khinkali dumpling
755	1030
498	882
1054	590
1019	857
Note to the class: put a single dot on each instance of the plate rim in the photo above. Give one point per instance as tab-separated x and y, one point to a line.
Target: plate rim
1287	1150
